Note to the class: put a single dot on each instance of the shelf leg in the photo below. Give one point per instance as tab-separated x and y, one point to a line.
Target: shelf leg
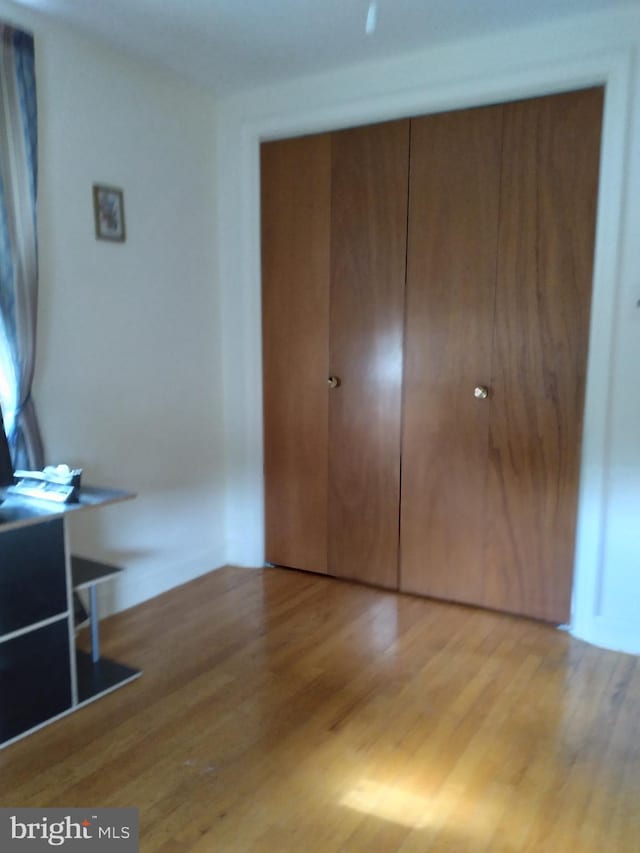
95	631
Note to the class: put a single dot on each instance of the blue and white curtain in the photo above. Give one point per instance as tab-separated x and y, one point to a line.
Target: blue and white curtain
18	244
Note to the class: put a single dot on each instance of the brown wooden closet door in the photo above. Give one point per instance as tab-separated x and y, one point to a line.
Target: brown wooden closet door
451	273
296	181
548	204
368	240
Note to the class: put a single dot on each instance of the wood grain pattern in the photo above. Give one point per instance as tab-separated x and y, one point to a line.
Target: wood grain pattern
286	711
451	273
548	200
296	182
368	253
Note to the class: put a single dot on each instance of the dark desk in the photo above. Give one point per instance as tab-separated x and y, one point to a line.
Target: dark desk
42	675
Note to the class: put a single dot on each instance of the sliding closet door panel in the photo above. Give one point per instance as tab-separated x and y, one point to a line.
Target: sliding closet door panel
296	180
368	252
548	200
451	272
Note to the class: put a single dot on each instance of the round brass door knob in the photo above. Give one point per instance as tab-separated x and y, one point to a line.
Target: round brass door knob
481	392
333	382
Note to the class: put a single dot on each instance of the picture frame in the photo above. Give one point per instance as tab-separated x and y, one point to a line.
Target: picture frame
108	212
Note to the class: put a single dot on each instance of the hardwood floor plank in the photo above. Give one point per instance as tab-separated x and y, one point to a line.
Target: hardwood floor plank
281	711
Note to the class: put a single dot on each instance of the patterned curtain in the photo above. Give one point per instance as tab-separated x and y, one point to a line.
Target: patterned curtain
18	244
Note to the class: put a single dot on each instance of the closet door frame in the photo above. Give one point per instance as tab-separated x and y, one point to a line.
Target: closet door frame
247	124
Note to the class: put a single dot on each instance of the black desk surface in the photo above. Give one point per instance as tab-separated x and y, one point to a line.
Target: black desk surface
18	511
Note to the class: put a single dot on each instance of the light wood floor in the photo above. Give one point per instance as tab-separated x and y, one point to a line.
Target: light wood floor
281	711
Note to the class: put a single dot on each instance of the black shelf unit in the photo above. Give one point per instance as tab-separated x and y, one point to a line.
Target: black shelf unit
96	679
96	675
42	675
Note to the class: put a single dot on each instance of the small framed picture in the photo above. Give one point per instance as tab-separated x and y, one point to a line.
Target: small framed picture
108	211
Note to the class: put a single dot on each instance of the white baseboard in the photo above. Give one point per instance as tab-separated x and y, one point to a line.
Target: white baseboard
133	587
247	553
614	634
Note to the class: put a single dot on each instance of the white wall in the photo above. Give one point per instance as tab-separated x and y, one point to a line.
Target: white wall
129	360
576	52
